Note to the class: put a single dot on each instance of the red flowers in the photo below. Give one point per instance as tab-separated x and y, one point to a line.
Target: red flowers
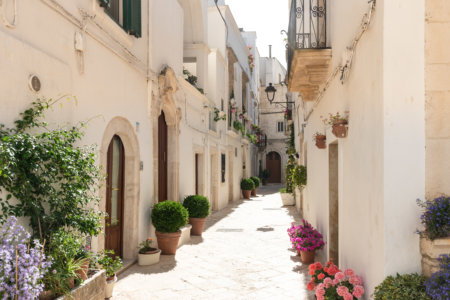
330	280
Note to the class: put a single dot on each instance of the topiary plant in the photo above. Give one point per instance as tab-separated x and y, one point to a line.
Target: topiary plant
169	216
197	206
247	184
256	181
407	286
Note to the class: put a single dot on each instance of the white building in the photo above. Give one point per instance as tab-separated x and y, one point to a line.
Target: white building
126	66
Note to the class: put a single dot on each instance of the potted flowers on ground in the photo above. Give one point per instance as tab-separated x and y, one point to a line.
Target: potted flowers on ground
331	283
435	237
247	185
111	264
148	255
306	240
198	208
257	182
265	174
168	217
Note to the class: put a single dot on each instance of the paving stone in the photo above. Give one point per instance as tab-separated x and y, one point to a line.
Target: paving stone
244	253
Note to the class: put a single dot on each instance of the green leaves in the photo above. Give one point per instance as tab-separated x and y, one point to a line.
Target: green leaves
47	177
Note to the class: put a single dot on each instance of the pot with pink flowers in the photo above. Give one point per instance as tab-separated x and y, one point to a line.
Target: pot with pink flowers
306	240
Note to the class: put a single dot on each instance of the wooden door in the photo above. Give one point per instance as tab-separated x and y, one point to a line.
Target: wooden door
273	164
114	196
162	158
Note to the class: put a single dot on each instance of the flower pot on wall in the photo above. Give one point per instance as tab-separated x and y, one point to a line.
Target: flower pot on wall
246	194
197	225
149	258
340	129
430	251
168	242
82	273
287	199
321	141
307	256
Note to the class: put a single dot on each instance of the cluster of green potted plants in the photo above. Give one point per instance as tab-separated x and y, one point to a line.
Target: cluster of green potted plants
169	216
249	186
306	240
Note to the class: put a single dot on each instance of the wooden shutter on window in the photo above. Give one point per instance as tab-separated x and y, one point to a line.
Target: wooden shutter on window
132	17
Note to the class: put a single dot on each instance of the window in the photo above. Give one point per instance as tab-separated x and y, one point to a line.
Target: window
223	167
127	13
280	126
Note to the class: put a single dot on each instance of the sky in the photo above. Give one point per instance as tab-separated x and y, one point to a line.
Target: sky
267	18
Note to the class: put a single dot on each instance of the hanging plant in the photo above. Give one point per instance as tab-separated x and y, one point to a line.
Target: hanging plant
339	124
321	140
219	115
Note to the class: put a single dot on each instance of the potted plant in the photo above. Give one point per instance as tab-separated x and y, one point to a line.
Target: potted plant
435	237
247	185
148	255
111	264
339	124
198	208
83	257
265	174
256	181
406	286
286	197
320	139
331	283
306	240
168	217
437	285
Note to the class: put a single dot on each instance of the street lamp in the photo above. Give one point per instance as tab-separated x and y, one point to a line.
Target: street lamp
270	91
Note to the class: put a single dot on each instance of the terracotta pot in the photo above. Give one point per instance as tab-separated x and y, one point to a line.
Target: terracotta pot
168	242
246	194
83	272
197	225
71	283
46	295
307	256
149	258
340	129
254	191
321	141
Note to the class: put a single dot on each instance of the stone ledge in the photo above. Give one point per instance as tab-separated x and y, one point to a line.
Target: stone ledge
93	288
185	235
430	251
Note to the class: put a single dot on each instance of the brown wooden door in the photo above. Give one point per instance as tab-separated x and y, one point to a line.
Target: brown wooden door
273	164
114	196
162	158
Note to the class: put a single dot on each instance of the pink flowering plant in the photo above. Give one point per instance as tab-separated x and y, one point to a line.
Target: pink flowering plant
305	238
333	284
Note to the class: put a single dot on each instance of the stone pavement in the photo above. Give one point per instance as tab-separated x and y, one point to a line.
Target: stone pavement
244	254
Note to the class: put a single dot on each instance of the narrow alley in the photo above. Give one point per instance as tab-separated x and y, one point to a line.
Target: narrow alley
244	253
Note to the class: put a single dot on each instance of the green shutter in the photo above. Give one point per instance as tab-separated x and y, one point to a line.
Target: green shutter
132	17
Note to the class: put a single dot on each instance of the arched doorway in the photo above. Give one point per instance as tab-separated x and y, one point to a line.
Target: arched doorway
162	158
273	164
115	196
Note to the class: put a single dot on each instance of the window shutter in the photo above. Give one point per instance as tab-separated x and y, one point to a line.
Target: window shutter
132	17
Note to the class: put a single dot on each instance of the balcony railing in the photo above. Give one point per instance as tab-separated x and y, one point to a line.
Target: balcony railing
307	26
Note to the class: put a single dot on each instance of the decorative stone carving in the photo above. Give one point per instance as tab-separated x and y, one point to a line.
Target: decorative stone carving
430	251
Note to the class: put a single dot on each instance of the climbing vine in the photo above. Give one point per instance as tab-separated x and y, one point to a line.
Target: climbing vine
44	176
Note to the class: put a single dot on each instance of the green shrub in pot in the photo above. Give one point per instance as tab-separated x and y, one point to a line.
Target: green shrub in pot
197	206
256	181
169	216
406	286
247	184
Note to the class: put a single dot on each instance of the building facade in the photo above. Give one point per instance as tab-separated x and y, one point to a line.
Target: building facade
126	66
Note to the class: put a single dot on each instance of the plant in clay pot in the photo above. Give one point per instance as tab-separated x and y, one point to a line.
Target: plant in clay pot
338	123
168	217
148	255
306	240
405	286
111	264
265	174
257	182
247	185
320	139
198	208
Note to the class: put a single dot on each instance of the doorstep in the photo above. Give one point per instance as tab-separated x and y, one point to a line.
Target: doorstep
185	235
